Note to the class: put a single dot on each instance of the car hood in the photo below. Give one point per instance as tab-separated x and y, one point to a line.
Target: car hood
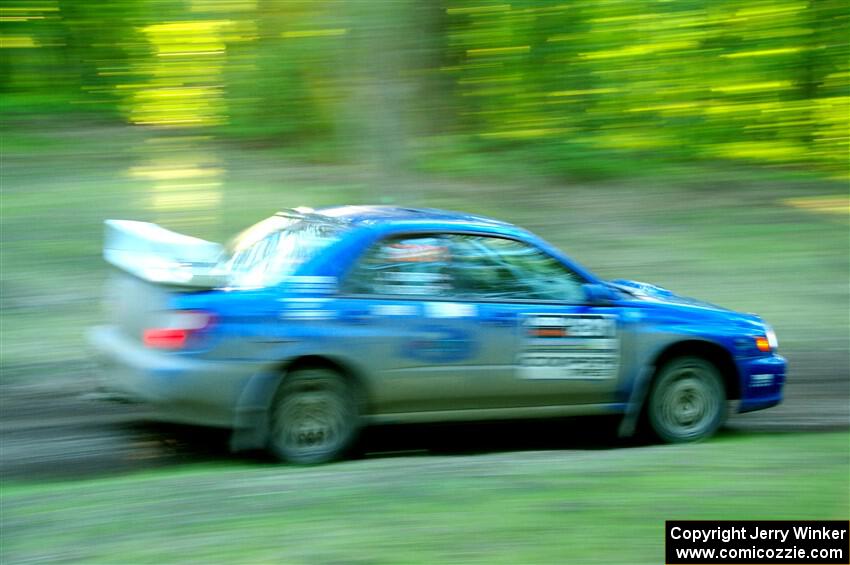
652	293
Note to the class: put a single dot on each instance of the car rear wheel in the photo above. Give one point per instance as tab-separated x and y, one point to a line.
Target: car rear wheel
314	417
687	401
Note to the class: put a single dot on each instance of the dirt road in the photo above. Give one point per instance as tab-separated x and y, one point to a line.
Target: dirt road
59	429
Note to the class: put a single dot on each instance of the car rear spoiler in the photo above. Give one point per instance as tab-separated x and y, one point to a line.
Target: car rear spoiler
161	256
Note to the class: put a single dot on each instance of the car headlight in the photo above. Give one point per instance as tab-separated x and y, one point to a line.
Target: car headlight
767	342
771	338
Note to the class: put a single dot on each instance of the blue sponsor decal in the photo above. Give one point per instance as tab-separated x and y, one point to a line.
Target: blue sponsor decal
439	344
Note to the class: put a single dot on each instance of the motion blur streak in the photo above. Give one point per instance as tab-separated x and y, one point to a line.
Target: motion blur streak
757	81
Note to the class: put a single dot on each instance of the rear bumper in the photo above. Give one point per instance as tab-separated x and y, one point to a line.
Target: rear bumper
175	387
762	380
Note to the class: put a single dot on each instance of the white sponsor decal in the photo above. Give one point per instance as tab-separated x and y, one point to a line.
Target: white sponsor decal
307	315
569	346
449	310
394	310
306	309
311	284
578	325
557	365
761	380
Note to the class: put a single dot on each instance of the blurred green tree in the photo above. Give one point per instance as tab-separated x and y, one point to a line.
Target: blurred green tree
766	81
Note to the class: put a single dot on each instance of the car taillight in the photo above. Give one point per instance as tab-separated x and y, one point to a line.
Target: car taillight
177	328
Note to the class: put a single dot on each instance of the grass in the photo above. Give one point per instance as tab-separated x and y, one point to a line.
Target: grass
604	506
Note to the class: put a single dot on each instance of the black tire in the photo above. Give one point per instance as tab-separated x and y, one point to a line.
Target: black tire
314	417
687	401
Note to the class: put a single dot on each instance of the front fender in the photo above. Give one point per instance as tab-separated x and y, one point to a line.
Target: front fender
695	332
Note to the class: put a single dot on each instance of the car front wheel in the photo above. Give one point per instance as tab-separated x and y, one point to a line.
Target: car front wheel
687	401
314	417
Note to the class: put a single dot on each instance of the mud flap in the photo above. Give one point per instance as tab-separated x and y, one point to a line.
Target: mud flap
634	406
251	416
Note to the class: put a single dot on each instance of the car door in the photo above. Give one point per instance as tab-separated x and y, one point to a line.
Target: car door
423	347
563	351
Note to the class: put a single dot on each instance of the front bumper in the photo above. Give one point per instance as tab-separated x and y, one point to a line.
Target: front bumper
762	380
176	388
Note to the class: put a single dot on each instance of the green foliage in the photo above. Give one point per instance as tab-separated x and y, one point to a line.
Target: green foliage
763	81
576	85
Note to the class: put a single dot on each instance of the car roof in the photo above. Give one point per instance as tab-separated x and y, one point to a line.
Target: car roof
385	220
390	214
391	217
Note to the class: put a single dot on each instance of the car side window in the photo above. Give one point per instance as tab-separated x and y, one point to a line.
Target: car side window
496	268
403	266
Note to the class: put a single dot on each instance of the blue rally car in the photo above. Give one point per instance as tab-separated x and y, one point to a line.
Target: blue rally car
314	323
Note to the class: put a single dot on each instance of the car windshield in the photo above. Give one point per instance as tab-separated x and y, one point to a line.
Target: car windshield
272	249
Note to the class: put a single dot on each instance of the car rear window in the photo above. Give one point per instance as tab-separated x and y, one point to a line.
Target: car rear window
272	249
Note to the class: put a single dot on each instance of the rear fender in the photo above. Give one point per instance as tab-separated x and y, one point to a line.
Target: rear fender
251	416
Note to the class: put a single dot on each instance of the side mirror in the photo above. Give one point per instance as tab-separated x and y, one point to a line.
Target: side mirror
599	293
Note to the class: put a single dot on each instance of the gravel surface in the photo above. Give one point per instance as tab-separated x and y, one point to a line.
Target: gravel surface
61	428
